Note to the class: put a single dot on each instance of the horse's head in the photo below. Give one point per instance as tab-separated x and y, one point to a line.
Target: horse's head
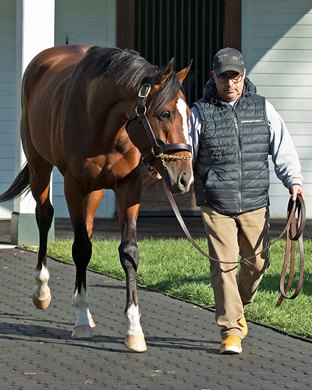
159	127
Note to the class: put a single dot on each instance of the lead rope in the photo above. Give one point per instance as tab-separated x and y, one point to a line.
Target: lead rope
294	233
294	229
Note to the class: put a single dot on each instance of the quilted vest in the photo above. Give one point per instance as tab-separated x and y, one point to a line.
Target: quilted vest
231	171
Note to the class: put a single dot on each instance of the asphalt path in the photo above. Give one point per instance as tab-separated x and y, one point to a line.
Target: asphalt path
37	352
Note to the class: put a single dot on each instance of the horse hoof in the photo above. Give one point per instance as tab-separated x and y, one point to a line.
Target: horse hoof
41	304
135	343
82	332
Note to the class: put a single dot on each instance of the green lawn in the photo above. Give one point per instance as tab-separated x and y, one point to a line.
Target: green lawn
174	267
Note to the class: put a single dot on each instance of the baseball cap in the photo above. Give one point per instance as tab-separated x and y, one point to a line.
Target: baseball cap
228	59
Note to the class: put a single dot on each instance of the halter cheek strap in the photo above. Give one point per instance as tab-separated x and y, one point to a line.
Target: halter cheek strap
158	148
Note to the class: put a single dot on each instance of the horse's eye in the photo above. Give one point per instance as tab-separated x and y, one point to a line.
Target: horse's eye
164	116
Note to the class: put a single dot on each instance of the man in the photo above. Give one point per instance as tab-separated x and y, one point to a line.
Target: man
233	131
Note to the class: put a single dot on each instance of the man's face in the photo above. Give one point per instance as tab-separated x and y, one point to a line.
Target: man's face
229	85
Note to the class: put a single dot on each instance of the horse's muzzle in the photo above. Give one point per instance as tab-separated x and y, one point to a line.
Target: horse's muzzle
178	182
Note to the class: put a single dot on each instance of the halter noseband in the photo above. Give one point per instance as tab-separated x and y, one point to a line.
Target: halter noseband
158	147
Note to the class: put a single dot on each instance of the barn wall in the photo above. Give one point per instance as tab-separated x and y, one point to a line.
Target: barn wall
7	99
276	43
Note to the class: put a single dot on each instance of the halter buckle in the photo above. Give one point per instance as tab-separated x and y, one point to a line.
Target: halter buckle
144	90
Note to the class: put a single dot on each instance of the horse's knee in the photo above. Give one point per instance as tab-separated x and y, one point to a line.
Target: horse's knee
129	256
82	250
44	216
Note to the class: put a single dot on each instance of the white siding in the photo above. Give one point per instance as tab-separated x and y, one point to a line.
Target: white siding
277	46
92	22
8	121
76	21
80	21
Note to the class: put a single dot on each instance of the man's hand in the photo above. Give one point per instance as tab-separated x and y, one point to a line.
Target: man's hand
295	190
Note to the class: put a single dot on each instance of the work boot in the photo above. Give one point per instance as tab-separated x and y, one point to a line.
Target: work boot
231	344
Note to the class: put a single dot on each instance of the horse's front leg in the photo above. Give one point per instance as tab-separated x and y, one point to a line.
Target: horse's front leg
81	252
129	258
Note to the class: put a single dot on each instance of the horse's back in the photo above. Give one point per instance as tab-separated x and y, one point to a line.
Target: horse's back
50	63
59	57
43	87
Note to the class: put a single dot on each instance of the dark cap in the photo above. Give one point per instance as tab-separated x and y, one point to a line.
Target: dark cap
228	59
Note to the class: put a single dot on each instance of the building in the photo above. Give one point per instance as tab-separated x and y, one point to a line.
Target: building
274	36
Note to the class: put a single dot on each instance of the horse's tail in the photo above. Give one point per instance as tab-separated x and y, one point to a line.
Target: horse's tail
19	185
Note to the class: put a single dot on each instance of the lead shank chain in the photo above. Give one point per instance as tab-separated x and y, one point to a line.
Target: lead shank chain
170	157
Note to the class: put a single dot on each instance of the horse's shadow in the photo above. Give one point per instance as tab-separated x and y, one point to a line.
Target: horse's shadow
36	331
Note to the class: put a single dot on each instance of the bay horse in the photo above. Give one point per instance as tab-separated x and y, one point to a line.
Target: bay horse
94	113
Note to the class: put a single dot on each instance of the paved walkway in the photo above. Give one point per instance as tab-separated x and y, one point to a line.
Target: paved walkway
36	351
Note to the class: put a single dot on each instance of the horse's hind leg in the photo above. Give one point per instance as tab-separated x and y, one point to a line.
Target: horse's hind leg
128	198
39	181
40	186
81	252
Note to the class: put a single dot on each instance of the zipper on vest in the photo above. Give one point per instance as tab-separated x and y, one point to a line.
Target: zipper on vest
239	154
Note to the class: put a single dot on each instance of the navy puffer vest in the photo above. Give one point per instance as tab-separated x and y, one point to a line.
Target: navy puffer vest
231	170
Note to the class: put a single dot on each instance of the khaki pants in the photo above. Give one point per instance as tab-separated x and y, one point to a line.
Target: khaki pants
231	237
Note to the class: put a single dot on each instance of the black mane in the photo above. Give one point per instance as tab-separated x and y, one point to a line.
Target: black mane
128	68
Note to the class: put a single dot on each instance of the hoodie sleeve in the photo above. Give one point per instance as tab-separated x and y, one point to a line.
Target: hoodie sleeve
284	155
194	131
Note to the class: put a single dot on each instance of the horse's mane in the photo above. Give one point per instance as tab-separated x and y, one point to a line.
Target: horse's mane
128	68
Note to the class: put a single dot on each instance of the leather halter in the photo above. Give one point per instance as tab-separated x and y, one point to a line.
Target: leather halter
158	147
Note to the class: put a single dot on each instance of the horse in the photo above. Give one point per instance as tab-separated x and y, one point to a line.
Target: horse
95	113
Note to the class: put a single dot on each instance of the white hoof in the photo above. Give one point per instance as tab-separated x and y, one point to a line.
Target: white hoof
41	304
82	332
135	343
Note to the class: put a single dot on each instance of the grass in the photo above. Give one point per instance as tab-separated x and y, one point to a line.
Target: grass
174	267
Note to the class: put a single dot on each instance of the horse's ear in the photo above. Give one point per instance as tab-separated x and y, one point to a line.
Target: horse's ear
163	75
167	70
183	73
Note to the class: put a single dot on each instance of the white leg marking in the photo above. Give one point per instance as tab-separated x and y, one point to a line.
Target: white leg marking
133	316
41	293
135	340
84	321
